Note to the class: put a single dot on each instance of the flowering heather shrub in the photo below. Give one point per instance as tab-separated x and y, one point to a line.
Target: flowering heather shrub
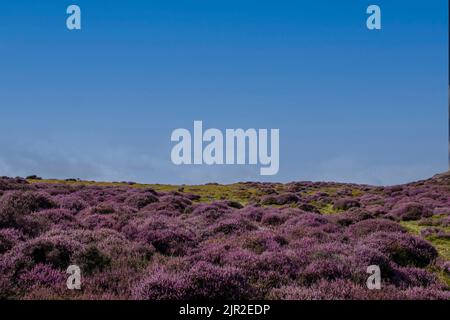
111	284
376	210
410	211
323	290
328	268
15	205
346	203
366	227
415	277
441	211
54	250
417	293
310	225
91	260
308	207
261	241
161	285
168	235
352	216
56	217
8	238
363	256
140	200
312	220
371	199
169	203
435	233
42	275
267	270
100	221
233	225
282	199
103	208
211	211
253	213
133	242
403	249
393	190
106	208
207	281
274	217
9	184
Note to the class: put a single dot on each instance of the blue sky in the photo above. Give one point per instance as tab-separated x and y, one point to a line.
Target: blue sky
351	104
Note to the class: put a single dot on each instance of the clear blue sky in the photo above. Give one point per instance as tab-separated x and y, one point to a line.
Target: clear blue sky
351	104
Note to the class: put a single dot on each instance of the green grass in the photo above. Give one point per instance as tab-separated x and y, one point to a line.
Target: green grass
412	227
327	209
444	277
441	245
238	192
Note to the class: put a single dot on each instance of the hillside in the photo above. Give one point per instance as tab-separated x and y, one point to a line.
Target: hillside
302	240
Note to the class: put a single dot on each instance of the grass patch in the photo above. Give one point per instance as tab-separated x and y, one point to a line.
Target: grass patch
238	192
327	209
412	227
442	245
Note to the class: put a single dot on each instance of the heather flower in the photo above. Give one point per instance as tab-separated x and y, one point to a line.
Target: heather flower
161	285
282	199
310	225
367	227
410	211
114	283
274	218
100	221
352	216
42	275
410	277
376	210
363	257
91	260
9	238
402	248
15	205
426	294
260	241
140	200
346	203
168	235
62	218
307	207
253	213
56	251
441	211
211	211
207	281
435	233
71	202
339	289
142	244
175	203
233	225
